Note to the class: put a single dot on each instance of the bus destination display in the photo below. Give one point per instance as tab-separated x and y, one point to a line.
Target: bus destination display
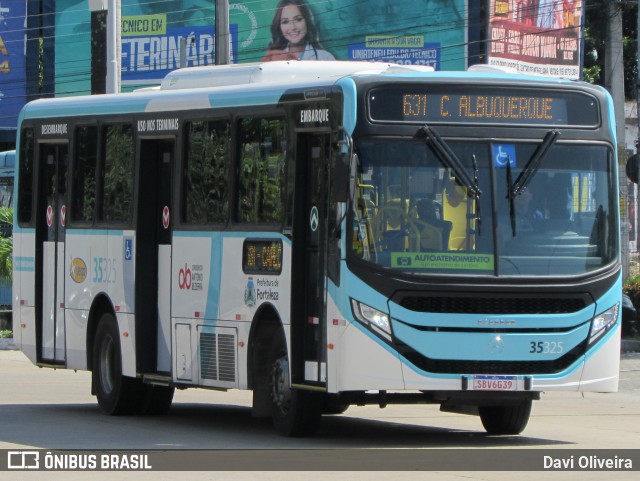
481	106
484	108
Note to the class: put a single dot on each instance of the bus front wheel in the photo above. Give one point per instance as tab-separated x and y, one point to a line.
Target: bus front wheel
117	394
505	419
295	412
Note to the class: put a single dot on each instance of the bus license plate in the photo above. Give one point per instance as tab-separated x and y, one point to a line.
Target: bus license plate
495	383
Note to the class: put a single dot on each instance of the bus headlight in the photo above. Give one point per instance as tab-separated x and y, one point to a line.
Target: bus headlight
374	319
603	322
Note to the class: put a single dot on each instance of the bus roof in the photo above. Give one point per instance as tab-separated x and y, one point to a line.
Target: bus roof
282	72
264	83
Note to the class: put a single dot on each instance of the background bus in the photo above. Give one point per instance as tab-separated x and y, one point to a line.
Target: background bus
325	235
7	165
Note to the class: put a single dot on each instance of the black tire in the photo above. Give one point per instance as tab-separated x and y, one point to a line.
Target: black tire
295	412
117	394
507	420
332	404
158	399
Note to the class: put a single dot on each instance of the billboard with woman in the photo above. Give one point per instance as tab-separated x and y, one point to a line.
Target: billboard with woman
423	32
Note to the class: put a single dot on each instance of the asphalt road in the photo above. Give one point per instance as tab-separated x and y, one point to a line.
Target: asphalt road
46	409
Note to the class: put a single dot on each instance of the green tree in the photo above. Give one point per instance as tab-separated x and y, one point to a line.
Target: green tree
595	35
6	245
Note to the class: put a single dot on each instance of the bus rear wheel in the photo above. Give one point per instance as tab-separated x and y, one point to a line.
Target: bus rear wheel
295	412
505	420
117	394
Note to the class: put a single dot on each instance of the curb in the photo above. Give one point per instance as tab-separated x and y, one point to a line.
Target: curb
6	344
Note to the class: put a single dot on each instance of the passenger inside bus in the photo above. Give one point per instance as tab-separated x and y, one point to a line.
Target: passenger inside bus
434	230
456	206
559	203
394	230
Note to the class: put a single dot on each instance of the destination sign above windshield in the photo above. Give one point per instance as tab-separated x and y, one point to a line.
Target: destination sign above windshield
424	104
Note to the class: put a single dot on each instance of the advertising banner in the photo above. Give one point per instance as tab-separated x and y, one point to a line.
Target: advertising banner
536	36
12	61
151	49
72	47
422	32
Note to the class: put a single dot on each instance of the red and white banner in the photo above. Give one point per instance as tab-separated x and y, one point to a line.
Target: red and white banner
536	36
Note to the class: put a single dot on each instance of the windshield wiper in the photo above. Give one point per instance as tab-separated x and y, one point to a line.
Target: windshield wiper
527	173
511	196
532	166
475	181
450	160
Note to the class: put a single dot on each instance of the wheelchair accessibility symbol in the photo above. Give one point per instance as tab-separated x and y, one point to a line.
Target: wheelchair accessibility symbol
503	154
128	249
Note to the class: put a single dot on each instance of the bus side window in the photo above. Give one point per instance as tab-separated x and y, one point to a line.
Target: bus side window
84	174
260	170
117	170
205	183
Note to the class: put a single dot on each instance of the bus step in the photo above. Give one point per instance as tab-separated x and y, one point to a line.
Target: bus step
158	379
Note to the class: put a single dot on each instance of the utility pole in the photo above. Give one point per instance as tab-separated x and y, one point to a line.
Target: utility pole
614	83
113	47
222	50
105	31
614	63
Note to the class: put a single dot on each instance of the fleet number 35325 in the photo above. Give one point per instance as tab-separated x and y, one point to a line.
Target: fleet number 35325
546	347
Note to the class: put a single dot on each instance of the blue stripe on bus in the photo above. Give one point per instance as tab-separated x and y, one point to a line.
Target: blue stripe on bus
350	104
24	263
93	232
247	98
20	230
78	232
234	235
215	268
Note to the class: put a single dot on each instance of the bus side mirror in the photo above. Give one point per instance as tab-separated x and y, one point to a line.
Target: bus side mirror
342	178
632	168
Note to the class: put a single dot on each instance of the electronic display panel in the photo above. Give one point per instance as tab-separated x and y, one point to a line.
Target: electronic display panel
482	105
262	256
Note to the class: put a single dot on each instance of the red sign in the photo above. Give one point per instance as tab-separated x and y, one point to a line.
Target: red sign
165	217
63	213
49	215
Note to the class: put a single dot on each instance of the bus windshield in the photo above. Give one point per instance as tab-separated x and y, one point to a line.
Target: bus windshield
518	208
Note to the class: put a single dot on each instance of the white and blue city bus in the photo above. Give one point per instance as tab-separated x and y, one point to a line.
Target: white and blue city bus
325	235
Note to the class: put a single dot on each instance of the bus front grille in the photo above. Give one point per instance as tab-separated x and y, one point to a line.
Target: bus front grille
486	303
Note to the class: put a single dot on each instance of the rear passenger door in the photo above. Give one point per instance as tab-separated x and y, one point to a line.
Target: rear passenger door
50	237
